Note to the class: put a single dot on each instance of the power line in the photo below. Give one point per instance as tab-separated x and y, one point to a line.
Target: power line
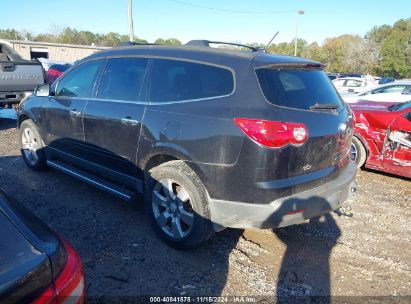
231	11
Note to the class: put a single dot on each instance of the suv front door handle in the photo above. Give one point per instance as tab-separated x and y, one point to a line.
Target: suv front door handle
130	122
75	113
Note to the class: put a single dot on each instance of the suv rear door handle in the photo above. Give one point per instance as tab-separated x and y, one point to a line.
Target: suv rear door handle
128	121
75	113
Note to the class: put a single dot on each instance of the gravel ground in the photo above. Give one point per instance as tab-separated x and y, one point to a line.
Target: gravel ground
366	255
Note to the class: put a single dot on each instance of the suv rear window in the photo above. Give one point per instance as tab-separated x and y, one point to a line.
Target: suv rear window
176	80
297	88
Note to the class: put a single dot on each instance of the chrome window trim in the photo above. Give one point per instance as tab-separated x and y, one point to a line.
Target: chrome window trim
118	101
152	103
157	57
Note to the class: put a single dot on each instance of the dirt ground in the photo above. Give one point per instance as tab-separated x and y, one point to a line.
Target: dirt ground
350	259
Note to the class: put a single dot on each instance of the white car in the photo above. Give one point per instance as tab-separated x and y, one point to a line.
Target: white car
398	91
352	84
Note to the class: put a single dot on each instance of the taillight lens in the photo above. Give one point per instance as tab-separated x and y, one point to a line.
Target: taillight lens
68	286
273	134
54	73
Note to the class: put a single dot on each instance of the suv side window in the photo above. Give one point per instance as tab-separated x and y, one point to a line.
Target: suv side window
79	82
123	79
176	80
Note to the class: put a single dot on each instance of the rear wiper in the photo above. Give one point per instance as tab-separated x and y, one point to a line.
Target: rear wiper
324	106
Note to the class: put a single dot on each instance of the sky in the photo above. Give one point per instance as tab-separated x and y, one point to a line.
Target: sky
243	21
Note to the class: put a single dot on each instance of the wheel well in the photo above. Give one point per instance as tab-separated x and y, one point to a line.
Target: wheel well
157	160
22	118
363	143
160	159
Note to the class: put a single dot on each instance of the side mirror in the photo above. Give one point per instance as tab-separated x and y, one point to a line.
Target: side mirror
42	90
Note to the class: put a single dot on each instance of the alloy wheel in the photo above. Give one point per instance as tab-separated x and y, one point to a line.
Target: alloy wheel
353	152
30	145
172	208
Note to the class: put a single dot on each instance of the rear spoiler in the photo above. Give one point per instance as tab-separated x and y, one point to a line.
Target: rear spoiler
295	65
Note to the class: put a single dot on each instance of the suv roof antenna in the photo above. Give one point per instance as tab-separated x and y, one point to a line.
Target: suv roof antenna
269	43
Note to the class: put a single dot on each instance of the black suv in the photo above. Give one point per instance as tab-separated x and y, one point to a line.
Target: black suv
214	138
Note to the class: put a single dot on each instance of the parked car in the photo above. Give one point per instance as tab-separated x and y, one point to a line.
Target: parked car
18	77
36	265
352	84
382	139
384	80
214	138
332	76
55	71
47	63
356	75
398	91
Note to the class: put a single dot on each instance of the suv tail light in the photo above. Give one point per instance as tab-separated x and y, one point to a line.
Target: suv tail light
273	134
68	286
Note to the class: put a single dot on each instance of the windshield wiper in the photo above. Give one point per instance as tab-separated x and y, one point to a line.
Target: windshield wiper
324	106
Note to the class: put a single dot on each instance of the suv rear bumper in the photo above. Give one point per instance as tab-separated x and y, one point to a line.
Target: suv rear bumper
286	211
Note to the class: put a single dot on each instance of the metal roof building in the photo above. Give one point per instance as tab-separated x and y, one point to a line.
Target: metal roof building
54	51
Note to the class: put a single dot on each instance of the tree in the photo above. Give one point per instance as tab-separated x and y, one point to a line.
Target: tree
385	50
361	56
159	41
395	51
172	41
378	33
10	34
335	51
314	52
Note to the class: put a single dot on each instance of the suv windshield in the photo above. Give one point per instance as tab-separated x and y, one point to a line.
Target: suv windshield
298	88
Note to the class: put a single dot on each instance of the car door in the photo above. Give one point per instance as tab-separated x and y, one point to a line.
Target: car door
397	146
112	119
63	112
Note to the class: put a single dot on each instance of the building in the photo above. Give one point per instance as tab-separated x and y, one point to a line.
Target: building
54	51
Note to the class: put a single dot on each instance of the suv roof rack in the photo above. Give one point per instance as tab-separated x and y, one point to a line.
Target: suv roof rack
206	43
131	43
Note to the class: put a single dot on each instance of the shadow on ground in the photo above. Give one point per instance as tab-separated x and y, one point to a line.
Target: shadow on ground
123	258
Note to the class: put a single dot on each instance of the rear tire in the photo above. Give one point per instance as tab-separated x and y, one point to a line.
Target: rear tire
177	205
358	152
32	146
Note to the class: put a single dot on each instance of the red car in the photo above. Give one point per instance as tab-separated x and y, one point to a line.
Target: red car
382	139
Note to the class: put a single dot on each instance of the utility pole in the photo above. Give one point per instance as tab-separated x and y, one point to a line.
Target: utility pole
299	12
130	20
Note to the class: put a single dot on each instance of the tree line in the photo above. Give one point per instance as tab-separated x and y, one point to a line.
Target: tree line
73	36
384	50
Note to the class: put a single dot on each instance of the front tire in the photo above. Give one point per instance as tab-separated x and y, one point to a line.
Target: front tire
32	146
177	205
358	152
